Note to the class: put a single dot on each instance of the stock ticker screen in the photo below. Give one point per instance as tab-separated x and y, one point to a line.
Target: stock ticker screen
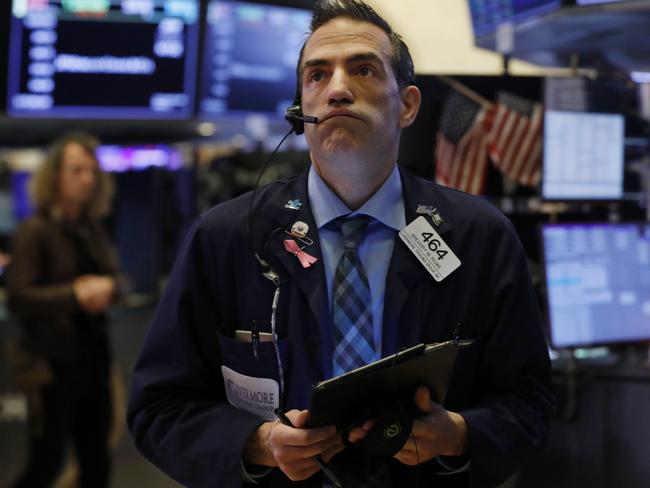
250	51
102	58
598	282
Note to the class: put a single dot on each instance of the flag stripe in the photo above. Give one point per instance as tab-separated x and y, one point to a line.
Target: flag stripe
514	143
464	165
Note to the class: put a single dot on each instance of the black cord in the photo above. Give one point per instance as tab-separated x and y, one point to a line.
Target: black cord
251	204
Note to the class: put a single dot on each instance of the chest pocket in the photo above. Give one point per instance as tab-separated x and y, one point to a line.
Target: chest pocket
240	357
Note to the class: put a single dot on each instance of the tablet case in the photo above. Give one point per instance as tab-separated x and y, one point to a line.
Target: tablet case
360	394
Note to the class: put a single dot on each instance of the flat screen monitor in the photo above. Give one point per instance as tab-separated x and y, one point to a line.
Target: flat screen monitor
488	15
118	159
250	51
598	282
119	59
584	140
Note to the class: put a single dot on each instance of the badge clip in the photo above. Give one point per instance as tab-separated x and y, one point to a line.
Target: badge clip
431	212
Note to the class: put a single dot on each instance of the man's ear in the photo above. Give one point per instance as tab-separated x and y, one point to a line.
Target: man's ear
411	99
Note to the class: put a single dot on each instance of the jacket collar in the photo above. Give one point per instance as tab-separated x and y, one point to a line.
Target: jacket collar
405	271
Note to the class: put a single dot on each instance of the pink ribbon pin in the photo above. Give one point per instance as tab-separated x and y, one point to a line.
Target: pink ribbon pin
305	259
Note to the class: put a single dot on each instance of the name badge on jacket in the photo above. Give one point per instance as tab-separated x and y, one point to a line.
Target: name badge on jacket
259	396
430	249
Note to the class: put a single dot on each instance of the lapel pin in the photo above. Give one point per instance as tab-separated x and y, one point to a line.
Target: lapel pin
306	260
431	212
299	231
437	219
293	204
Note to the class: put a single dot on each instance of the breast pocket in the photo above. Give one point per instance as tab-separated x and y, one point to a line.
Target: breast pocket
240	357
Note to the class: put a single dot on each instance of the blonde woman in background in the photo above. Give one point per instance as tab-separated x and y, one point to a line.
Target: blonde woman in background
62	279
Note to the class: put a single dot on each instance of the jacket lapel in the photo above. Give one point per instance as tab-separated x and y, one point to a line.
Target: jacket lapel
311	281
405	272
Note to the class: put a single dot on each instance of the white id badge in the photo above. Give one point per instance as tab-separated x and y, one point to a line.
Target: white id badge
427	245
259	396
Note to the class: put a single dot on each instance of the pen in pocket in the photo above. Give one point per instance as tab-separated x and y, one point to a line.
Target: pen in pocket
255	340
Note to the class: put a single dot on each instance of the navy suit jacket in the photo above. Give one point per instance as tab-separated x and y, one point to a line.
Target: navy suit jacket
179	415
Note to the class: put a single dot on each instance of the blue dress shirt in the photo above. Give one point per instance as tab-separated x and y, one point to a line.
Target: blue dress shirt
386	207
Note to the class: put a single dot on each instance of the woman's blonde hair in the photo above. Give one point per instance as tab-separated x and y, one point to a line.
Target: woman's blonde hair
44	184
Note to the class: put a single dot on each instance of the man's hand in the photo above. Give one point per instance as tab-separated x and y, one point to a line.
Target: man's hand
292	449
439	432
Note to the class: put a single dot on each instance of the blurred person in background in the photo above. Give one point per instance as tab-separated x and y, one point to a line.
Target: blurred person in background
62	279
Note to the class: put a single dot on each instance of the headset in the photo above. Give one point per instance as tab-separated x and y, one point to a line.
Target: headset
295	116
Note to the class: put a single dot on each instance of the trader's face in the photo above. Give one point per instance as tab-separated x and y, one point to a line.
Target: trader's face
77	175
349	84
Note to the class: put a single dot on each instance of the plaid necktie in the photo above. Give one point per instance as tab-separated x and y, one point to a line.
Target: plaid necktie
354	347
351	312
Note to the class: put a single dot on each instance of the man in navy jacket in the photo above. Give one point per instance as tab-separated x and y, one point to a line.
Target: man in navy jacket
214	363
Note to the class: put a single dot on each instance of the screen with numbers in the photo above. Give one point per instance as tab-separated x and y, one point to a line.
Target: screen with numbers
583	155
250	51
590	140
598	282
102	58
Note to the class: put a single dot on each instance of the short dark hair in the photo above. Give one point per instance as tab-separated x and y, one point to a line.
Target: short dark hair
326	10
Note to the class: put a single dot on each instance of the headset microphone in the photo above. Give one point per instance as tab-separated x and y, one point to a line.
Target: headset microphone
297	120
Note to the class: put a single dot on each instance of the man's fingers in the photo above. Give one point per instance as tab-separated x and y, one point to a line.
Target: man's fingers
296	464
332	451
298	472
360	431
298	417
411	445
423	428
407	457
309	451
290	436
422	399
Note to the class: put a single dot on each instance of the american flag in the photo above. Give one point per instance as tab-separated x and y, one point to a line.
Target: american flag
515	139
461	144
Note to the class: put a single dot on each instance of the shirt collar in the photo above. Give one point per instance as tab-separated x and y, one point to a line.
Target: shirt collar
386	205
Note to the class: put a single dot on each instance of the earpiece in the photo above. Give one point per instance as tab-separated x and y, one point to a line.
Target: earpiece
296	118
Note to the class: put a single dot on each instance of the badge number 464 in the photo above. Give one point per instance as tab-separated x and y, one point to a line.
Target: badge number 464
433	244
430	249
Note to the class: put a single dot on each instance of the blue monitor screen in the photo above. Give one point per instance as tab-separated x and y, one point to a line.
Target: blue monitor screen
102	58
598	282
250	52
488	15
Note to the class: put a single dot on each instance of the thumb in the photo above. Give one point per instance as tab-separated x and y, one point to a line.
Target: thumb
422	400
298	417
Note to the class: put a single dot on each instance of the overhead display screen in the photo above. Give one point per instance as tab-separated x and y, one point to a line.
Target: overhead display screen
102	58
488	15
250	51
